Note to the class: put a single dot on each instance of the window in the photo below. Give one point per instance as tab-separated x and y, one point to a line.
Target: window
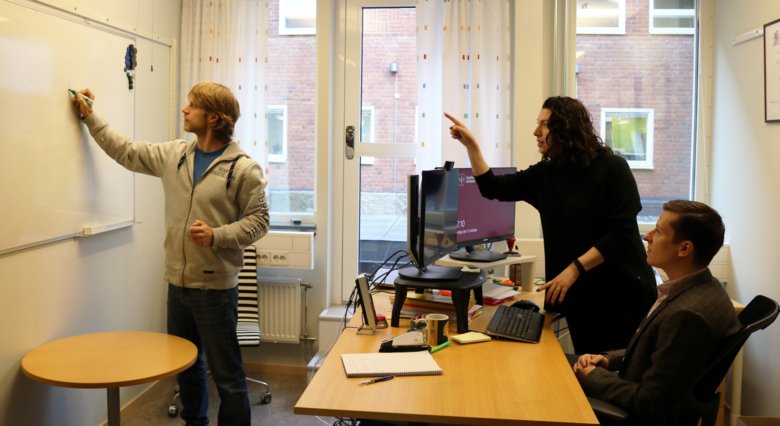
290	98
297	17
630	134
367	124
601	16
629	83
672	17
367	132
277	133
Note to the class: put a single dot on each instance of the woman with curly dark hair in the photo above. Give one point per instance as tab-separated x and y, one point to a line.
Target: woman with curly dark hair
595	264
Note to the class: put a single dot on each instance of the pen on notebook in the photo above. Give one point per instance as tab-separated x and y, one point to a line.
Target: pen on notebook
86	98
378	379
440	347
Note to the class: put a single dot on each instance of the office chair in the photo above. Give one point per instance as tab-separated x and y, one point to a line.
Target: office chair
248	327
702	402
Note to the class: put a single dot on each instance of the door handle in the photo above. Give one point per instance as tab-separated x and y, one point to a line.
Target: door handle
349	149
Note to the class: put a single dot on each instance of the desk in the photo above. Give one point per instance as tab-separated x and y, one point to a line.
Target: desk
491	383
109	360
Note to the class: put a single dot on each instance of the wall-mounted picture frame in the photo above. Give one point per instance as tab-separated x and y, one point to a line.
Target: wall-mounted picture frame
772	71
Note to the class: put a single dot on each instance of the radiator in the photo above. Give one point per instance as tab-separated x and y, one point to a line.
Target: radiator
280	309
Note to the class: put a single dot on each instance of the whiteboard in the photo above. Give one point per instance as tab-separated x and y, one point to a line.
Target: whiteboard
56	181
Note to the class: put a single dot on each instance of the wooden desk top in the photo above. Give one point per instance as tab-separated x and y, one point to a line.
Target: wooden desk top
491	383
111	359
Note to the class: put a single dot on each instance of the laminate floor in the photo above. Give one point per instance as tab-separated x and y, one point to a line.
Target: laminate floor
151	408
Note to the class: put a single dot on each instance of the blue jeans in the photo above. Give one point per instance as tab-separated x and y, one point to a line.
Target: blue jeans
208	319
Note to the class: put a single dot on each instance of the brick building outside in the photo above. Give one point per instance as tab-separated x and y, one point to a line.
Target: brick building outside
636	70
642	70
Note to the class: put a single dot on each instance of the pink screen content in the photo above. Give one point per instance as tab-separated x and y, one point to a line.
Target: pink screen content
481	219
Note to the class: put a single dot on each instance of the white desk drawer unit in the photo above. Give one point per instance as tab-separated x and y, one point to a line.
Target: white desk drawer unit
280	249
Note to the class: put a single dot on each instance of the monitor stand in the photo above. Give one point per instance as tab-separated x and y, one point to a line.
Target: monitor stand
431	273
366	330
477	256
461	289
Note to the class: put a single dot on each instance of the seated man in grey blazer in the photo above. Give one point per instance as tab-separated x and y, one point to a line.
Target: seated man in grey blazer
692	316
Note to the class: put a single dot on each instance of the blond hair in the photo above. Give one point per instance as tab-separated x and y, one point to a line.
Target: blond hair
217	99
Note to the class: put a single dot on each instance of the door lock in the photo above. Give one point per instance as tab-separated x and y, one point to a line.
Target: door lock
349	149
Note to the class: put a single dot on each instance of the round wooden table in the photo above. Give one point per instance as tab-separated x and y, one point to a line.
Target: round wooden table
109	360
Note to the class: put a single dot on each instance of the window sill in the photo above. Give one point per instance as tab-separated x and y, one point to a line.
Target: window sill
289	227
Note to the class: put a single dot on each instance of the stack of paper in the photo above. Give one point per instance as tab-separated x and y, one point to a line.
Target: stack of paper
421	304
471	337
494	294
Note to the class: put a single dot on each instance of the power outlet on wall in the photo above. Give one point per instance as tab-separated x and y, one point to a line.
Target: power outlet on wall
286	250
279	258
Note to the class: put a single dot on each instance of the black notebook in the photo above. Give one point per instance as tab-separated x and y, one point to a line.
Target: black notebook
378	364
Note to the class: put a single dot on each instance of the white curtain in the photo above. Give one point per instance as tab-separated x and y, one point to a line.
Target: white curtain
464	68
227	41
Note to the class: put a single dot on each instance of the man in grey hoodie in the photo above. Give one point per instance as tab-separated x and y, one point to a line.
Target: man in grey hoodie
215	206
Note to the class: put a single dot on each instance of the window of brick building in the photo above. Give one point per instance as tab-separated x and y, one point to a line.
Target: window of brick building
640	90
672	16
290	92
297	17
367	130
367	124
277	133
601	16
630	134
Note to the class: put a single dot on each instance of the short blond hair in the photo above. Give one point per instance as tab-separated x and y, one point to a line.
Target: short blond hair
218	99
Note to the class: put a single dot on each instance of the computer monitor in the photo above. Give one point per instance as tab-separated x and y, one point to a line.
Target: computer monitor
481	220
431	224
366	302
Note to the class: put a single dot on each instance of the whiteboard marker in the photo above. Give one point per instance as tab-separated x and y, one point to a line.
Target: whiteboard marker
86	98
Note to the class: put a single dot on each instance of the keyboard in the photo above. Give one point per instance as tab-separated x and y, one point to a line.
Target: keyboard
515	323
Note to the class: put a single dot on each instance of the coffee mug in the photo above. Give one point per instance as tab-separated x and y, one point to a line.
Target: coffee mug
436	326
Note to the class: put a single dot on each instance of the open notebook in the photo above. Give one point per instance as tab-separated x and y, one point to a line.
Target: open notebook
419	363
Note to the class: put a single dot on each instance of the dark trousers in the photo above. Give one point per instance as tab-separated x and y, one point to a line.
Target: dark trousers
208	319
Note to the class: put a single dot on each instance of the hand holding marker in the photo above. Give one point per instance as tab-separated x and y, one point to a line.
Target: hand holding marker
85	97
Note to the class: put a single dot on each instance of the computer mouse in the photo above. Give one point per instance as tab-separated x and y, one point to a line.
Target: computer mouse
526	304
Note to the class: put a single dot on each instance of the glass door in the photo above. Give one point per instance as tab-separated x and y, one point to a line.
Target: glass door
379	129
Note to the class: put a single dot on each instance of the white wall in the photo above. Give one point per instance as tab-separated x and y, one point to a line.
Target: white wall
533	73
106	282
745	185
